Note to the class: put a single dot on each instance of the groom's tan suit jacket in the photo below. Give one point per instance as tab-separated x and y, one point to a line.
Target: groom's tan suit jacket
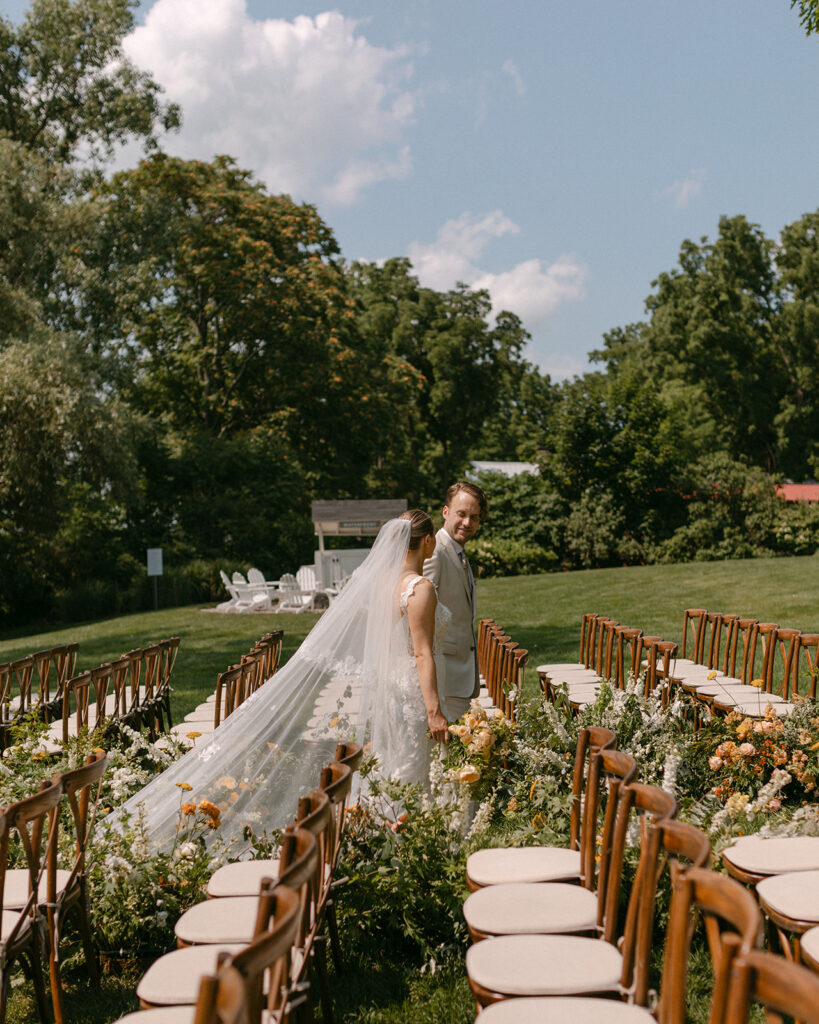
460	676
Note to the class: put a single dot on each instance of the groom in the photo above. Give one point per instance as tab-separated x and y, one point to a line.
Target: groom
449	570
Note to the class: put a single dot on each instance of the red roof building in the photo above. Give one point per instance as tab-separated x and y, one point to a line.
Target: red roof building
798	492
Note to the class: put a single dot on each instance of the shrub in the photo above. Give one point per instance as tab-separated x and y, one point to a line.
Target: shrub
511	558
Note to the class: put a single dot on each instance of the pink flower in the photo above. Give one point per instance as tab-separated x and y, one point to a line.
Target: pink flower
747	749
775	804
715	763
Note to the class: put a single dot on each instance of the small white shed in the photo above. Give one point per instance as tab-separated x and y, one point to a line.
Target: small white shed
348	518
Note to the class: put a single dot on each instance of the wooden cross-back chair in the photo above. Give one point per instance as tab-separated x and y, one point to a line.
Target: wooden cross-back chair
739	655
676	840
482	644
271	646
787	991
496	865
548	964
34	821
68	890
627	654
168	650
783	657
228	694
693	635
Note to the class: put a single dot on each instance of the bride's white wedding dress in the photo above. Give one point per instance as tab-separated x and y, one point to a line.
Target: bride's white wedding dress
353	678
402	742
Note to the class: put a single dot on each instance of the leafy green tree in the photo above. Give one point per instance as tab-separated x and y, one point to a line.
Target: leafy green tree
66	460
808	15
66	87
227	310
462	370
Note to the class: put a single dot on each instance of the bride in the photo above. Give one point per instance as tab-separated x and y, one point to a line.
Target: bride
367	671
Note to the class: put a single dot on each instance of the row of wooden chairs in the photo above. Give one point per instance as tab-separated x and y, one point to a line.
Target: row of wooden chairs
133	690
37	898
613	651
232	941
233	687
501	666
778	660
34	684
539	939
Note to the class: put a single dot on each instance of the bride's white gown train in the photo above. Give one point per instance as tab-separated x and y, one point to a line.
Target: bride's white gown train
353	678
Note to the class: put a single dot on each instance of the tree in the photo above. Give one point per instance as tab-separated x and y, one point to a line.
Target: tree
66	86
66	460
808	15
463	367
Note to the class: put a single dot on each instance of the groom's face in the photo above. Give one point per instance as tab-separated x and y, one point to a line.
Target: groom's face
463	517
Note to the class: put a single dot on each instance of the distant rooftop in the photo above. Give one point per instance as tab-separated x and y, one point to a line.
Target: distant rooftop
799	492
505	468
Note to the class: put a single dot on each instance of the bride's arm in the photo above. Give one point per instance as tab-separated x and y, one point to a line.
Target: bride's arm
421	614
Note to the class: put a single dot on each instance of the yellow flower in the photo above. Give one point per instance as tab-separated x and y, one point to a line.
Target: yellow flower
193	735
538	821
757	683
532	789
469	773
185	786
815	746
188	809
333	721
711	675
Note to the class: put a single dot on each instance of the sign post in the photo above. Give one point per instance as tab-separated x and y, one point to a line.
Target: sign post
154	570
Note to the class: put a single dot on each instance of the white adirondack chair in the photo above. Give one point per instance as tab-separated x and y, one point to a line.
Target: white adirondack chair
228	606
292	597
251	598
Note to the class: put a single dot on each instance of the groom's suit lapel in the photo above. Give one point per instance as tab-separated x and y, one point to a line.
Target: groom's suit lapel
452	555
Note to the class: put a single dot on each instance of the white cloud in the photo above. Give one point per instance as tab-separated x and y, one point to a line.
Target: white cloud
309	105
532	289
511	69
683	191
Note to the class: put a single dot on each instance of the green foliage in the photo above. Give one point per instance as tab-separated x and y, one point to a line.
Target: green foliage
808	15
64	80
510	558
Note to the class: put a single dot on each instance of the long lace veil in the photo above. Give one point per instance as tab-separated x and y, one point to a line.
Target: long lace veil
271	749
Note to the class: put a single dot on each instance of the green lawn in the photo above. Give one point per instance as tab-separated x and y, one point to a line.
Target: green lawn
541	612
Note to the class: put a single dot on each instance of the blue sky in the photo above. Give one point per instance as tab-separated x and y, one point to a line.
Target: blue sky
556	153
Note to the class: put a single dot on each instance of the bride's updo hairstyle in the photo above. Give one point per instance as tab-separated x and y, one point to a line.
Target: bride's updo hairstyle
422	526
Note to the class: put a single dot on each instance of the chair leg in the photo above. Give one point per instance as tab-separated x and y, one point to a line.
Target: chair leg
320	963
332	929
39	987
90	950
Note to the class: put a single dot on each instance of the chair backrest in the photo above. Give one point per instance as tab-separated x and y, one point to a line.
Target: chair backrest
740	648
306	577
267	955
77	692
733	924
77	786
782	657
336	780
806	666
228	694
627	654
587	631
615	769
351	754
34	818
788	989
651	805
590	740
693	634
255	576
238	579
168	650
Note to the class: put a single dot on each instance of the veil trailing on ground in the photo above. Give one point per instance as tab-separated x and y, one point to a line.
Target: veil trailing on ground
271	749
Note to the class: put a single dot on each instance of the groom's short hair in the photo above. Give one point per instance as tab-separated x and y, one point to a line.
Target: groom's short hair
472	489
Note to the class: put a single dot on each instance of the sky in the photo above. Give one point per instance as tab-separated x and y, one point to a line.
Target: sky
556	153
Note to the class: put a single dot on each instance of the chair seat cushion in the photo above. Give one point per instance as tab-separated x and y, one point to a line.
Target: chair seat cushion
735	692
228	920
174	978
202	713
758	708
242	878
9	920
15	891
565	666
565	1010
522	864
531	908
161	1015
809	944
532	965
795	894
774	856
